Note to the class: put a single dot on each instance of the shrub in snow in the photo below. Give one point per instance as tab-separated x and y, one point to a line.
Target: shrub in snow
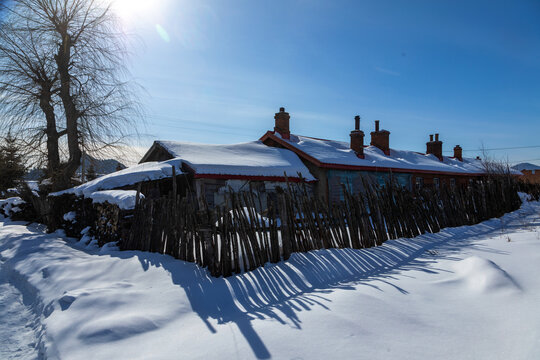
11	206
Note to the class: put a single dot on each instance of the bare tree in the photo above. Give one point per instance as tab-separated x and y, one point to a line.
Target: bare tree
27	86
82	53
494	167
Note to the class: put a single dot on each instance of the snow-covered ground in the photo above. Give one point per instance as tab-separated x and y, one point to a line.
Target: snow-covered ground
464	293
17	336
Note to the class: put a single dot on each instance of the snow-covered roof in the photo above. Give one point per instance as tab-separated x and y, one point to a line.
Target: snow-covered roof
245	159
132	175
332	153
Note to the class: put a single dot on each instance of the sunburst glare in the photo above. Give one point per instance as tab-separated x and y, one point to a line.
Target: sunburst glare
133	11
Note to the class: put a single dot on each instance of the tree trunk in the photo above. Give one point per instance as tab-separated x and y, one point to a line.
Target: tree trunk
53	154
72	115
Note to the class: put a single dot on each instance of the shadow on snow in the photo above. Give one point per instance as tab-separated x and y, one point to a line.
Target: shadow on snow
280	291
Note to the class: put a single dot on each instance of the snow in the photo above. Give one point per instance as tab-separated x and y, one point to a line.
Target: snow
11	205
340	153
481	275
132	175
245	159
70	216
17	336
470	292
125	199
33	185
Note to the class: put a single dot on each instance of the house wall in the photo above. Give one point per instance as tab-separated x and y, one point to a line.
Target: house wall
430	180
353	181
320	188
531	176
215	191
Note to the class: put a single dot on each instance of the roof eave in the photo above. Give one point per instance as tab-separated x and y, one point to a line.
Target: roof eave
252	178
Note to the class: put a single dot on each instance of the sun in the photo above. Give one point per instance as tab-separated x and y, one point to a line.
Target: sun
131	10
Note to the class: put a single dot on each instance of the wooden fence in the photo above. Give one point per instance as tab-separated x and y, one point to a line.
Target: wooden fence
235	238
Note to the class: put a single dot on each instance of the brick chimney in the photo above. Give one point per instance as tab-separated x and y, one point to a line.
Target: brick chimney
429	145
357	138
381	138
434	146
458	153
282	123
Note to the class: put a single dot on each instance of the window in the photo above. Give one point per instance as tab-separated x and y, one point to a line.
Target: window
453	182
419	182
436	182
334	189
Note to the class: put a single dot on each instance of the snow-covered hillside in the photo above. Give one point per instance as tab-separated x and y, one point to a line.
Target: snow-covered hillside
464	293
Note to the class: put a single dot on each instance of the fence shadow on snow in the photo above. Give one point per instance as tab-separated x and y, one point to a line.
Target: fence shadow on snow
280	292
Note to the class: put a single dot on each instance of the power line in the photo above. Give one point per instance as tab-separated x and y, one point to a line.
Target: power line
507	148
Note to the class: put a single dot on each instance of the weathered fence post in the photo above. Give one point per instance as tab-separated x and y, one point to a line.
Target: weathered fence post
174	190
240	237
285	226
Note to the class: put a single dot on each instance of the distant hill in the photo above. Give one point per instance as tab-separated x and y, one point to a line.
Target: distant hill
102	167
526	166
34	174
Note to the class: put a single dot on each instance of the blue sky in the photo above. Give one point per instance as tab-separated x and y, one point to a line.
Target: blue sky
217	71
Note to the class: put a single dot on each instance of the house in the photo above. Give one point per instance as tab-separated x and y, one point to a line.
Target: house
322	167
336	164
213	170
531	172
203	170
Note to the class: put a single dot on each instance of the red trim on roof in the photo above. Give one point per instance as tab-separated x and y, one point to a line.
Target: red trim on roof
250	177
396	170
271	135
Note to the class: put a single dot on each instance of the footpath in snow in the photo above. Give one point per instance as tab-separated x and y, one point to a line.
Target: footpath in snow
17	335
465	293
